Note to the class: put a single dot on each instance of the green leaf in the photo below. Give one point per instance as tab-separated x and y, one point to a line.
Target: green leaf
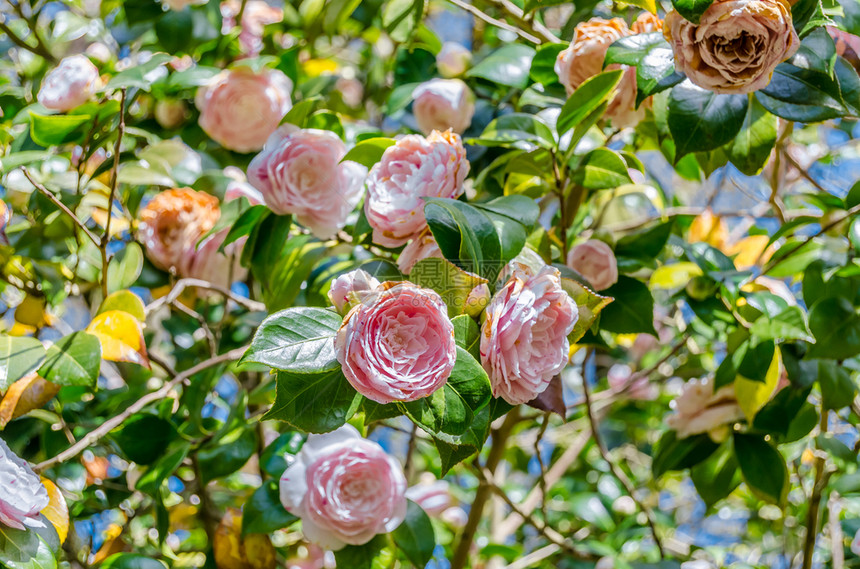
451	409
273	458
299	113
415	537
125	301
263	512
54	130
836	327
763	467
369	151
807	15
140	76
245	224
150	481
587	97
802	95
455	449
790	324
718	476
299	340
371	555
692	9
632	311
700	120
132	561
837	388
452	283
29	548
601	169
521	209
466	236
144	438
645	244
400	17
652	56
672	453
314	402
517	130
542	69
509	66
19	356
467	334
750	150
125	267
228	453
73	360
589	304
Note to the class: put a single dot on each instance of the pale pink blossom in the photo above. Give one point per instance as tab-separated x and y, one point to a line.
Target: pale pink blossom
397	344
241	108
345	489
413	168
422	247
300	172
619	376
595	261
23	495
440	104
256	16
350	288
701	410
71	84
855	543
434	496
524	337
453	59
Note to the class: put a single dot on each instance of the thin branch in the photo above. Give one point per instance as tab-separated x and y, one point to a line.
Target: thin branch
182	284
39	49
533	27
494	22
812	515
616	471
113	183
117	420
56	201
533	558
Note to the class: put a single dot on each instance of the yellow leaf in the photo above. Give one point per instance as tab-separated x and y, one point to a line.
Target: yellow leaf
750	251
316	67
232	551
31	312
259	551
674	276
650	5
710	229
28	393
753	395
126	301
56	511
121	336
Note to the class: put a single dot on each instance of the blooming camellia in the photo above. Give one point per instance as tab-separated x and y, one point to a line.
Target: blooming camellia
345	488
440	104
300	172
413	168
735	46
70	84
524	337
595	261
172	224
23	495
349	289
398	344
584	59
240	108
701	410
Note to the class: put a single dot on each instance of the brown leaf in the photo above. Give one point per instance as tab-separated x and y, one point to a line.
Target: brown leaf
552	399
28	393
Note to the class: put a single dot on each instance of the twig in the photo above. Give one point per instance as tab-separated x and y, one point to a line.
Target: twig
182	284
494	22
39	49
409	467
617	472
207	331
56	201
117	420
821	478
534	557
803	172
534	27
113	183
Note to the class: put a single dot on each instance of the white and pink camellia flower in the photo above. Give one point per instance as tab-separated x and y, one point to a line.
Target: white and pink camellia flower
440	104
171	227
345	489
71	84
524	337
300	172
397	344
595	261
350	288
453	59
23	495
241	108
413	168
701	410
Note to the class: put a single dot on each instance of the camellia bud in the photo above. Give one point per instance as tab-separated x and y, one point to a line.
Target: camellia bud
477	301
348	289
453	59
170	113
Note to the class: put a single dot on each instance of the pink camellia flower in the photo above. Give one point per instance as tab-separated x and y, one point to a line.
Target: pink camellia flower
422	247
413	168
440	104
398	344
701	410
584	59
71	84
434	496
735	46
207	263
300	172
524	337
619	376
345	488
240	108
855	543
350	288
595	261
256	16
24	495
453	59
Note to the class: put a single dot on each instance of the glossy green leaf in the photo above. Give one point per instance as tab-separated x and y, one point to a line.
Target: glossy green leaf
263	512
509	66
632	311
314	402
415	537
73	360
700	120
752	147
368	152
601	169
227	454
299	340
836	326
54	130
19	356
762	466
587	97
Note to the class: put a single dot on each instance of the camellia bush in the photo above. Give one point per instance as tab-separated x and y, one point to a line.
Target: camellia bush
429	283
